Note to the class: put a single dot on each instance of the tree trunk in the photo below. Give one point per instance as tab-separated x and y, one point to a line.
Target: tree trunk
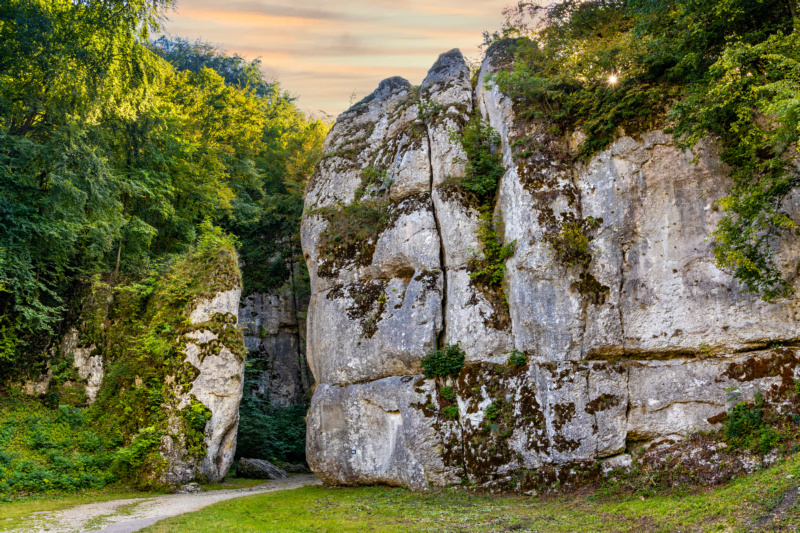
119	254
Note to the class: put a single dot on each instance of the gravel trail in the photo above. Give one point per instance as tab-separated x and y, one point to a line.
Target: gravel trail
126	516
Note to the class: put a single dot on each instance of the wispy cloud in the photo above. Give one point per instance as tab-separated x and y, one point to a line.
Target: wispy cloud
323	51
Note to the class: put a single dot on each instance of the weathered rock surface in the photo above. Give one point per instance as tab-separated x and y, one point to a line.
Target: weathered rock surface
377	311
218	386
638	346
377	432
274	337
259	469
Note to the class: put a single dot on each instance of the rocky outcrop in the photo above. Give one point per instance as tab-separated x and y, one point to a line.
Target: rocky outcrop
636	346
219	361
88	364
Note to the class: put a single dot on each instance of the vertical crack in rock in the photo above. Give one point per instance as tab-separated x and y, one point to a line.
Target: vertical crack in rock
442	258
584	319
628	408
624	252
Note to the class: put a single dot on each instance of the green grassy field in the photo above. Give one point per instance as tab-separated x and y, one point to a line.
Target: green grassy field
766	501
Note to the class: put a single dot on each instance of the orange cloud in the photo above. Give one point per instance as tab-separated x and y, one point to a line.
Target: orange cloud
323	51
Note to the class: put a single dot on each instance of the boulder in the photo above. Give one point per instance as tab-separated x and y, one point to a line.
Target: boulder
259	469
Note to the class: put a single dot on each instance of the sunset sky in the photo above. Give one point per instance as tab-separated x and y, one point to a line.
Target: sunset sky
323	50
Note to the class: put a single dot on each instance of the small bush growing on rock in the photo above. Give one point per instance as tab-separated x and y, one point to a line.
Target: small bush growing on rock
517	358
745	426
373	180
484	166
447	393
571	244
451	412
444	363
493	411
490	269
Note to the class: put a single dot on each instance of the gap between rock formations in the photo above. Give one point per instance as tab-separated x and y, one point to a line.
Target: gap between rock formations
442	254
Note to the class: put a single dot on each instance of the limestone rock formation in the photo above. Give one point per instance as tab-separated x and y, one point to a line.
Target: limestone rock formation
275	341
637	347
218	387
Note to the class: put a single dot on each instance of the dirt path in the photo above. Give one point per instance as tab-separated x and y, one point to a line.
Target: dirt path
125	516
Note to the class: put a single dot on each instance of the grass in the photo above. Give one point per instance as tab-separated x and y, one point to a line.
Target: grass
733	507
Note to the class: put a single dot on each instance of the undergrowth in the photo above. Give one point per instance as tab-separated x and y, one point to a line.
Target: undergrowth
48	450
137	326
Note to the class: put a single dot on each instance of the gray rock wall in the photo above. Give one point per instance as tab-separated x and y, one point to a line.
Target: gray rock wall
274	337
638	346
218	386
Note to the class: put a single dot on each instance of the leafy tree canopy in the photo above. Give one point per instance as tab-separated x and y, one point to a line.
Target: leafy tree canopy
114	149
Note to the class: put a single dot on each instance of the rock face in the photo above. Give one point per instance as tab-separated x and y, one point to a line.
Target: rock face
218	387
274	339
636	347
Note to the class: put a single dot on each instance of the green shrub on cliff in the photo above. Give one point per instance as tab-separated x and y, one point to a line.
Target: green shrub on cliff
444	363
484	162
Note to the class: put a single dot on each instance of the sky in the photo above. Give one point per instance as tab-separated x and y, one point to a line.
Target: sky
323	51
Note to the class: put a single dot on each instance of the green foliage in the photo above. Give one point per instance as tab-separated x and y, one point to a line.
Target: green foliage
705	350
493	411
447	393
43	449
444	363
517	358
235	70
373	181
195	417
110	158
450	412
141	337
484	163
727	68
745	426
571	244
490	269
482	174
130	460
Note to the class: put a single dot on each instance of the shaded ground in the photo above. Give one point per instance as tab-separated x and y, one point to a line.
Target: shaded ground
127	515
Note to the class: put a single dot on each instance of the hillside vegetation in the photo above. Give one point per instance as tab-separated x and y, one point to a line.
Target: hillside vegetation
133	174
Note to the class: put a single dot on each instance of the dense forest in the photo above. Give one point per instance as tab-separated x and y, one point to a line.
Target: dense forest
115	148
127	162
